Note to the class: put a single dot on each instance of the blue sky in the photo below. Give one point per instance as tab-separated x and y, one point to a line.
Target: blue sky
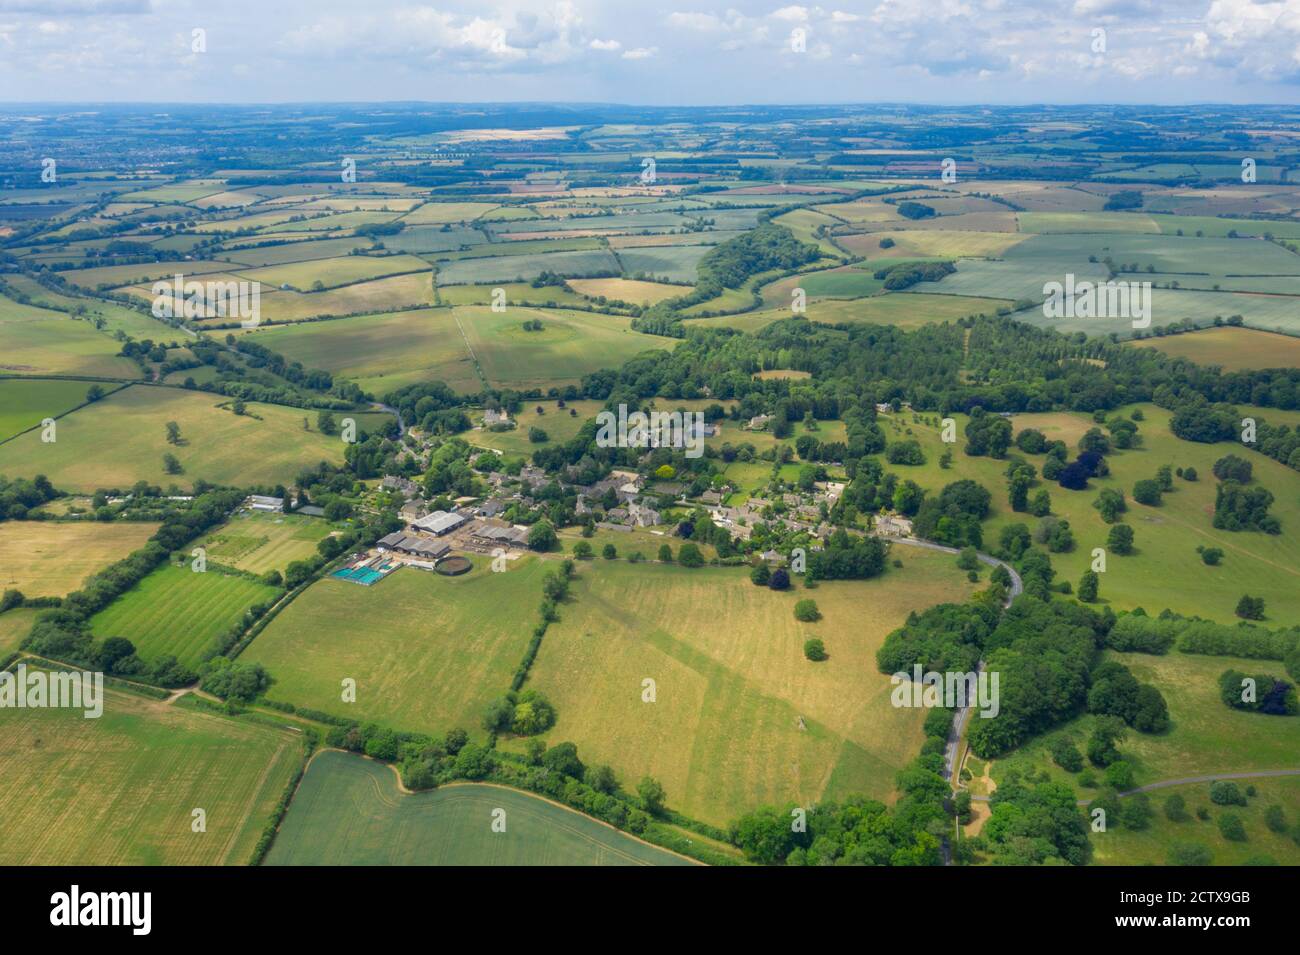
684	52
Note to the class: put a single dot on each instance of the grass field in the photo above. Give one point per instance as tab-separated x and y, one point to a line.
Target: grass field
559	425
349	811
724	732
26	403
1165	570
257	542
122	439
120	790
49	559
38	341
627	290
15	624
346	269
1233	349
506	268
178	612
428	652
1120	846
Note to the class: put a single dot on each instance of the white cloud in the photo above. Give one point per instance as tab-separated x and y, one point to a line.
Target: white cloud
607	45
641	53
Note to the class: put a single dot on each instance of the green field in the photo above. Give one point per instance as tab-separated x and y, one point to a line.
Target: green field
350	811
506	268
345	270
121	789
38	341
122	439
256	541
1232	349
559	425
15	624
51	559
26	403
179	612
1121	846
428	652
724	733
1165	569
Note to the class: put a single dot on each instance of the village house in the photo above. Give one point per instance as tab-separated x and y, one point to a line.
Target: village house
492	417
759	422
642	516
412	511
400	485
893	525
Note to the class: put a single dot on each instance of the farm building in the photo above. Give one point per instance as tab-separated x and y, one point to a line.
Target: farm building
413	546
493	534
438	523
262	502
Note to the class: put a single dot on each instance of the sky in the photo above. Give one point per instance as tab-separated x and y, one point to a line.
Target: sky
650	52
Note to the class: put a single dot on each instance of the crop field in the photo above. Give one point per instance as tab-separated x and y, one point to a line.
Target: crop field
175	611
350	811
331	273
1049	222
907	310
1165	570
437	213
740	717
627	290
380	352
505	268
256	542
1232	349
428	653
121	439
51	558
398	291
673	263
265	256
25	403
38	341
921	244
521	293
120	790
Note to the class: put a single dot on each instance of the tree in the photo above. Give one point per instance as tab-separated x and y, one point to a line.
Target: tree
1231	827
173	433
780	579
1147	491
1176	809
665	554
652	795
537	436
761	574
1120	539
814	650
325	423
688	555
1189	853
582	550
1110	504
609	552
238	407
171	465
542	536
806	611
1250	608
94	393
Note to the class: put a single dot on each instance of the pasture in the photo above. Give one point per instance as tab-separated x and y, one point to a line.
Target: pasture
428	653
15	624
740	718
1232	349
50	559
38	341
121	439
350	811
121	789
175	611
25	403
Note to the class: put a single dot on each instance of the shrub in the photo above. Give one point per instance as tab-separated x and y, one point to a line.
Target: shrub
1176	809
806	611
1231	827
814	650
1226	793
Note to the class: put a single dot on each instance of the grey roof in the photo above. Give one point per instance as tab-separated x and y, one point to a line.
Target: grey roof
439	522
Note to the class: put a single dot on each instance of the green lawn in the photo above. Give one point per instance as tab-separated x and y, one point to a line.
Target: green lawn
26	403
349	811
257	542
177	611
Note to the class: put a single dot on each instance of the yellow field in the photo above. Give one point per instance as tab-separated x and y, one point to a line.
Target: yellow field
14	625
49	559
627	290
1233	349
740	717
921	244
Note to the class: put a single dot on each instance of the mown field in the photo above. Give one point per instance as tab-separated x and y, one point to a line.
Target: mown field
724	733
176	611
350	811
256	542
558	423
121	789
38	341
122	439
50	559
428	653
15	624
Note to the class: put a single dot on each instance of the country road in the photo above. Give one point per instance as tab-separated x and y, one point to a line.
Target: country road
1187	781
963	714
